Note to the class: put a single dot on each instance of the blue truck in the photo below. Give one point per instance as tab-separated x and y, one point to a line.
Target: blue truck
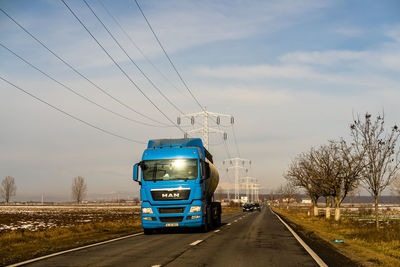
177	181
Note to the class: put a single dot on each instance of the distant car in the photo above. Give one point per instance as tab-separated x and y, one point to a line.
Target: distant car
248	207
256	206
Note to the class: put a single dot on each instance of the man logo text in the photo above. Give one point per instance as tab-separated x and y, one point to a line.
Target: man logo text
170	195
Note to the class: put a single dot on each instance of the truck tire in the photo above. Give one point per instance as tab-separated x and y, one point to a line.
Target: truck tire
219	217
205	227
147	231
216	210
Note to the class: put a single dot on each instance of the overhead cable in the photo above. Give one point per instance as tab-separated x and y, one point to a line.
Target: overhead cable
72	116
79	73
119	67
169	59
138	48
75	92
133	62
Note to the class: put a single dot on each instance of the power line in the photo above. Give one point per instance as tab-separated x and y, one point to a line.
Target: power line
119	67
73	91
70	115
138	48
133	62
169	59
77	72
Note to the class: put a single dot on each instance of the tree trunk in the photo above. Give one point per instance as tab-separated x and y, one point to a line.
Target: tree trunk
337	213
328	207
315	210
315	206
376	212
337	208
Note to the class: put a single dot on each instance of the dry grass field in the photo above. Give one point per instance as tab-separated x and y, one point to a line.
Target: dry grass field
31	231
362	242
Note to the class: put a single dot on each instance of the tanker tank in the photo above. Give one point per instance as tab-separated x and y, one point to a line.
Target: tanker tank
212	182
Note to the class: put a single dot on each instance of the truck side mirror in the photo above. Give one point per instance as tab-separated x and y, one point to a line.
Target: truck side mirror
135	172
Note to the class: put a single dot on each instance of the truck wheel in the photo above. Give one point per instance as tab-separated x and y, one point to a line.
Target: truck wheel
206	226
147	231
219	219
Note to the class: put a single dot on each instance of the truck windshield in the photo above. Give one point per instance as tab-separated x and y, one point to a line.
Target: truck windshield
170	169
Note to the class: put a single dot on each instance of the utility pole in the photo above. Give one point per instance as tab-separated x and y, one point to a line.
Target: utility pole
237	164
205	130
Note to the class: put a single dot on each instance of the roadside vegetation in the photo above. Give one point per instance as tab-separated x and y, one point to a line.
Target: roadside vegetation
231	209
368	159
27	233
333	170
361	241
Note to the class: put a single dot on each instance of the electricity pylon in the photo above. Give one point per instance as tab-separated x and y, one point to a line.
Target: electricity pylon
249	184
235	164
205	130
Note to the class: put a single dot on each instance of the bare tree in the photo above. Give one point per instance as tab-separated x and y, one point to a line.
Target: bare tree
355	192
79	189
339	168
301	174
8	188
287	191
350	166
382	159
324	172
395	185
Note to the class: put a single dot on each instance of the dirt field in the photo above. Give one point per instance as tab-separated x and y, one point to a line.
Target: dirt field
38	218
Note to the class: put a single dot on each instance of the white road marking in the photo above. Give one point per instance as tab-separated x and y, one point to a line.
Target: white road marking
216	231
196	242
71	250
229	223
305	246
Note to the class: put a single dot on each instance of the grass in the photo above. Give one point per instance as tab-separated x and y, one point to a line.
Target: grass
362	242
228	209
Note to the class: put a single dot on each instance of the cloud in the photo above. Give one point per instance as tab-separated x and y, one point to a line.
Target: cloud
324	57
350	31
257	71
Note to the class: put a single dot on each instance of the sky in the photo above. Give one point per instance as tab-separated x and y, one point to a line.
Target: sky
292	73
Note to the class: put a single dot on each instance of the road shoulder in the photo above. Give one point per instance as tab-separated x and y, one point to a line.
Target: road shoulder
328	253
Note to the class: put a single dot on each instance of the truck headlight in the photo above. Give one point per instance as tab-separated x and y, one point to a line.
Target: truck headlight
195	209
147	211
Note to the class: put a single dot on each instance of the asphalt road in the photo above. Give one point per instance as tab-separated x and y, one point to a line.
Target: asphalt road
244	239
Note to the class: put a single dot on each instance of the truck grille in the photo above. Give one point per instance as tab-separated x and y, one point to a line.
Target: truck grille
170	194
171	219
170	210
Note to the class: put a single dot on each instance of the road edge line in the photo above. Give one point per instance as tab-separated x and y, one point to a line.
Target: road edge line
72	250
314	255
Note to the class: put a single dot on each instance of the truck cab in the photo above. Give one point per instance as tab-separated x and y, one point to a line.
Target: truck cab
177	180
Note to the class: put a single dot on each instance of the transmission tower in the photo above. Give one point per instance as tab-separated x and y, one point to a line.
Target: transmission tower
237	164
249	185
205	130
